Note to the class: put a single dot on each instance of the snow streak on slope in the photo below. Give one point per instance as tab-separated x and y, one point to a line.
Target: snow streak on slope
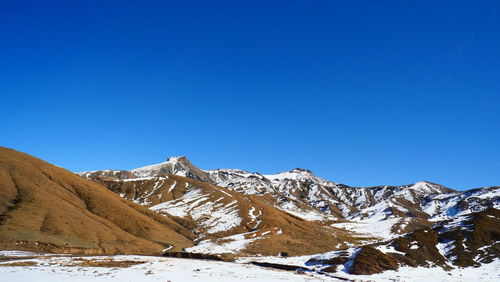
212	216
447	206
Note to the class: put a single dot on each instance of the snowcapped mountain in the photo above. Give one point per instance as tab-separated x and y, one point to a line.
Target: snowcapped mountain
174	165
302	193
237	211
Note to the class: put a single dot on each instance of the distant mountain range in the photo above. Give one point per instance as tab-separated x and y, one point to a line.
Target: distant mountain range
176	206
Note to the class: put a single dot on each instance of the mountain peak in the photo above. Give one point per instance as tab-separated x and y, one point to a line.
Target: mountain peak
429	187
300	170
179	165
297	174
177	159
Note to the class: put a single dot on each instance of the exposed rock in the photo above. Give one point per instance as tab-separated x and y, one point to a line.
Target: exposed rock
370	261
190	255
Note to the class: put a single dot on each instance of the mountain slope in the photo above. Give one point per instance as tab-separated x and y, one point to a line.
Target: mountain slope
217	214
466	241
44	207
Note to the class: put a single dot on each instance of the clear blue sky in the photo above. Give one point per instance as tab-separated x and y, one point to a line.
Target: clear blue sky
360	92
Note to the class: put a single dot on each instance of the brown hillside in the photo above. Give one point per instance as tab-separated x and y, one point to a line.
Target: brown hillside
44	207
276	230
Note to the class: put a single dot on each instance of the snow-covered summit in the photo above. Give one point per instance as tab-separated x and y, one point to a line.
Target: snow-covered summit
298	174
428	187
179	165
144	171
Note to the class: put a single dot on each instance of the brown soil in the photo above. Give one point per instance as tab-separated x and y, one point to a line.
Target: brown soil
20	263
106	263
426	239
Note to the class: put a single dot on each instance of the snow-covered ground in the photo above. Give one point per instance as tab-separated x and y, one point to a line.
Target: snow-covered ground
371	228
61	268
56	268
229	244
487	272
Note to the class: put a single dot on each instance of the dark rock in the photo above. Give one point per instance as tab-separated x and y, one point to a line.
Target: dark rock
370	261
222	257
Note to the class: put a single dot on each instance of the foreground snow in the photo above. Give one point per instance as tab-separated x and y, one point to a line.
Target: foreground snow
55	268
487	272
60	268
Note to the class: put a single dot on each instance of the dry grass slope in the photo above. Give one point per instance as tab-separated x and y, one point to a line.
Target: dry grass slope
47	208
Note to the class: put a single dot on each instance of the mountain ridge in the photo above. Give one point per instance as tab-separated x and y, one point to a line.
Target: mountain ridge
181	165
302	193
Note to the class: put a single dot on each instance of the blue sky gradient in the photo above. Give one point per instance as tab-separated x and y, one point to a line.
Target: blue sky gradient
360	92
